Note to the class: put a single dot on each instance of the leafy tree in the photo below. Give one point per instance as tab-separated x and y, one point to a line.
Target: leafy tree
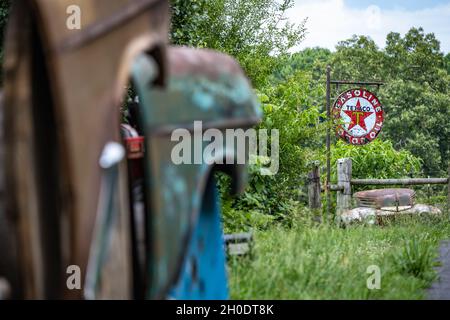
188	17
378	159
447	62
416	57
418	120
358	58
289	107
312	60
418	98
256	32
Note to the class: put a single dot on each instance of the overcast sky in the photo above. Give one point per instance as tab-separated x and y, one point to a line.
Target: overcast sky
330	21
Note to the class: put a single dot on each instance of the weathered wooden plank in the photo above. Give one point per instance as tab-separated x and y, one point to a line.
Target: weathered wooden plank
344	196
314	188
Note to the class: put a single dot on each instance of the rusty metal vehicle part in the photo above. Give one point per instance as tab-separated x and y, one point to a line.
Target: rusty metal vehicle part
63	90
379	217
202	86
386	199
135	146
68	207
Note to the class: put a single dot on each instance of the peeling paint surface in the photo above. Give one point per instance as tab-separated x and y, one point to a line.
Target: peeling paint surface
186	254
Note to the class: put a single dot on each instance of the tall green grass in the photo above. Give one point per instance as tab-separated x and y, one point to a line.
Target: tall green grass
328	262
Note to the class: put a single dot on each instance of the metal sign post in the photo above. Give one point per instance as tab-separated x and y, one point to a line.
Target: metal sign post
378	113
328	143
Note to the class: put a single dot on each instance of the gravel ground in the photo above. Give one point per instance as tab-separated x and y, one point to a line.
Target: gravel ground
440	290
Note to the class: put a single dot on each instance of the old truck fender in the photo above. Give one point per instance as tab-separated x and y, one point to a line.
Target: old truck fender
203	86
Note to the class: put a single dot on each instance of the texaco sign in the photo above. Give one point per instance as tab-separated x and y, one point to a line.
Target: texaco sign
360	115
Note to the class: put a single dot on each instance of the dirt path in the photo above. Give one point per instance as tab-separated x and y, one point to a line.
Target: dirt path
440	290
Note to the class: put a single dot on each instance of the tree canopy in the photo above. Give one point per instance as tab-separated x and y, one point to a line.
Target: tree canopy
256	32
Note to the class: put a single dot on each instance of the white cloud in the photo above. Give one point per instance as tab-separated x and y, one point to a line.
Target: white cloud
373	18
330	21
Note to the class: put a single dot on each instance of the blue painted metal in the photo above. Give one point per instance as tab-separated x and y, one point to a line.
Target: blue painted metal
203	275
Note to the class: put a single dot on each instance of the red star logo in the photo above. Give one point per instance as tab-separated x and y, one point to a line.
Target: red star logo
358	117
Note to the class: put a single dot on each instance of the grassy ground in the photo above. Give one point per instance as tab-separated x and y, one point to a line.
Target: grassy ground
329	262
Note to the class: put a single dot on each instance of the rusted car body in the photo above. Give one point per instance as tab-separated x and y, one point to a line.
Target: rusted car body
209	87
388	199
62	93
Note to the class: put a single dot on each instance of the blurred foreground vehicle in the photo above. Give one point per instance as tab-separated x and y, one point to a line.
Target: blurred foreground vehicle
81	192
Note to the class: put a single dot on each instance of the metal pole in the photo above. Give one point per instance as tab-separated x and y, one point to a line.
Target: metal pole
328	143
403	182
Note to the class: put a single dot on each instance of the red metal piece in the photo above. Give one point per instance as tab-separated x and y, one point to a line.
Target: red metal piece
361	115
135	147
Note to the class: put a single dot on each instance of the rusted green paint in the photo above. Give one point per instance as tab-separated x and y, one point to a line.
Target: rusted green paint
221	98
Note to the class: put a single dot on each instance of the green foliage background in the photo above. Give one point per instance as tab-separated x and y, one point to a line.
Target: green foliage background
256	32
291	88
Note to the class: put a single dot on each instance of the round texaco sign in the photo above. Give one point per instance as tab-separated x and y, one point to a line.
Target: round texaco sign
360	115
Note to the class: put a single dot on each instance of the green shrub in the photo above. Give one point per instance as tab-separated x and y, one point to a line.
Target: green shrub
377	159
416	257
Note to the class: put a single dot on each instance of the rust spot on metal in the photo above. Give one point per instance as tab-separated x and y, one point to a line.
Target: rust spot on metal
386	199
185	61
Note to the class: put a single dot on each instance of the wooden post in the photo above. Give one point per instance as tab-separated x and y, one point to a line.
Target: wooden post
344	196
314	188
